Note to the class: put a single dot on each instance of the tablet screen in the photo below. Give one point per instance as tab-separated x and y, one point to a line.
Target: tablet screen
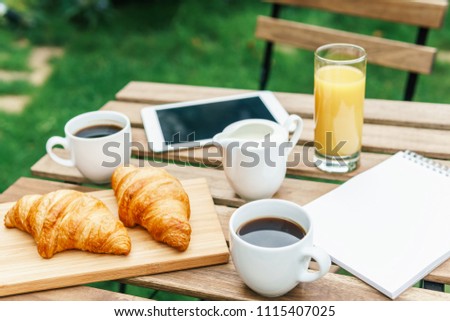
199	122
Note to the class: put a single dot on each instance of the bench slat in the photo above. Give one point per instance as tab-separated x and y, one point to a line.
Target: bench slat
380	51
426	13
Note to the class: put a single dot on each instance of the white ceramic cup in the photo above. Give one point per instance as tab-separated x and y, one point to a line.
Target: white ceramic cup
274	271
255	154
95	158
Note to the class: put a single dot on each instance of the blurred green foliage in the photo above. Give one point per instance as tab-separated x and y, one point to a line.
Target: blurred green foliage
82	12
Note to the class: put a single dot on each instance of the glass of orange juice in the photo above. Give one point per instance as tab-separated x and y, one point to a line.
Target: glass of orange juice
339	90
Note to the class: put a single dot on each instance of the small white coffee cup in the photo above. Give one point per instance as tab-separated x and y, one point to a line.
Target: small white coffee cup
274	271
96	158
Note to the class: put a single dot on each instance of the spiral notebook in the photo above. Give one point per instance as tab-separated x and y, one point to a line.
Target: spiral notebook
389	226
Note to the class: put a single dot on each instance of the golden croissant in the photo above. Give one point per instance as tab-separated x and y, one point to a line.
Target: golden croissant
67	219
154	199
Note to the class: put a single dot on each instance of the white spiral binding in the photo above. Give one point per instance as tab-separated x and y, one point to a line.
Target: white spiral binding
428	163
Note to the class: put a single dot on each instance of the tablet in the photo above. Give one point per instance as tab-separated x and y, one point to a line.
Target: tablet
194	123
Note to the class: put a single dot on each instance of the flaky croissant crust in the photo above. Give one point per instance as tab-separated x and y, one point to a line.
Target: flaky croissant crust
156	200
67	219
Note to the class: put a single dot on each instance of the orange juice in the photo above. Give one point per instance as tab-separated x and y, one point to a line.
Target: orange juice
339	100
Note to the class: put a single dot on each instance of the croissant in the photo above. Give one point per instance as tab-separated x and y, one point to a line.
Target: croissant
154	199
67	219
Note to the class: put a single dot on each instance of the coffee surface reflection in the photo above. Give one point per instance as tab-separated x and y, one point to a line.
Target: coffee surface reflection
271	232
98	131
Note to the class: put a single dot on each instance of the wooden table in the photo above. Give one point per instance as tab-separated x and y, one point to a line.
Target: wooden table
390	126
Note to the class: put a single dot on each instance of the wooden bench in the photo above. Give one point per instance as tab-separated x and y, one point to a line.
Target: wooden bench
413	58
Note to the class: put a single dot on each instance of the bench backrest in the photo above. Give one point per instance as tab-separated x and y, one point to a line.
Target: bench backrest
415	58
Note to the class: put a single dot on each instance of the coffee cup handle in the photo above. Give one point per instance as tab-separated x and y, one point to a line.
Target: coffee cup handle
56	140
294	119
323	261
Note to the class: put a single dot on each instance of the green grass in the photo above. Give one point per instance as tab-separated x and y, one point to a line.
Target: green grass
17	87
13	54
196	42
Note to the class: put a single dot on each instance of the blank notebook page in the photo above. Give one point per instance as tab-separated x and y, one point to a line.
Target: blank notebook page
389	226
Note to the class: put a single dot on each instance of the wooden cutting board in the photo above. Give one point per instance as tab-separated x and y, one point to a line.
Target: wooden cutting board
23	270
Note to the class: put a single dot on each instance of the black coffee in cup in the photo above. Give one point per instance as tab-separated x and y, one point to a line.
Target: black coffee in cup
271	232
98	131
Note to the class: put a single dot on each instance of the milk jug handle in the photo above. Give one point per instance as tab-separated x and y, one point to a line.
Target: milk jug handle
288	124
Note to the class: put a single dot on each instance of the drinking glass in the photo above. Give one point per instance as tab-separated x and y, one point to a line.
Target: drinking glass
339	90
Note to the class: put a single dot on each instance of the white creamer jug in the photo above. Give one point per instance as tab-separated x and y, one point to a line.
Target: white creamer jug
254	154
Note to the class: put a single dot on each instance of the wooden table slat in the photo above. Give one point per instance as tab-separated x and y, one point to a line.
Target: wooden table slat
77	293
24	186
222	192
46	167
221	282
376	138
376	111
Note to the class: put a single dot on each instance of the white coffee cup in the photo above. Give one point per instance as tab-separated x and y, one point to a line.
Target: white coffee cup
255	153
96	158
274	271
